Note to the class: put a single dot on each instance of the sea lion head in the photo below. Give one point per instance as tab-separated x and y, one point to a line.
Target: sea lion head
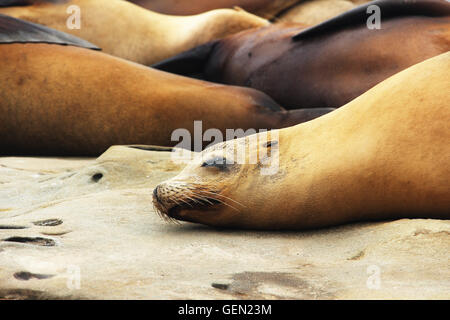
223	185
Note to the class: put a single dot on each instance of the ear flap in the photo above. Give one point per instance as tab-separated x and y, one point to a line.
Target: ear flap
14	30
270	144
388	9
296	116
190	63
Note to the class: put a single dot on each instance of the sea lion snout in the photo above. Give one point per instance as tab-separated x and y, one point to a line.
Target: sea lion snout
155	195
178	200
163	197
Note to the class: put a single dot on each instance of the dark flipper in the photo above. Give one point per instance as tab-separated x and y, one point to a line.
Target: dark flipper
17	3
388	9
12	3
190	63
14	30
150	148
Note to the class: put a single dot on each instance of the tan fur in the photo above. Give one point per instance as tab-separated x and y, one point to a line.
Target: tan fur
67	100
384	155
264	8
125	30
315	11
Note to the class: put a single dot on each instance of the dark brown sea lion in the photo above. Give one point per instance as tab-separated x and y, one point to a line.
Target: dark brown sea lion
326	65
127	31
384	155
67	100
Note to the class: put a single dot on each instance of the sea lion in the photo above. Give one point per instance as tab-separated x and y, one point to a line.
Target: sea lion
385	155
326	65
125	30
264	8
67	100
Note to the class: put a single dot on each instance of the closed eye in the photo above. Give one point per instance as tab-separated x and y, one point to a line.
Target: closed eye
216	162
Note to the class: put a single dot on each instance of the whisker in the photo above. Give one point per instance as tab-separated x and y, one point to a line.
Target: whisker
220	195
191	194
193	199
198	197
227	204
162	215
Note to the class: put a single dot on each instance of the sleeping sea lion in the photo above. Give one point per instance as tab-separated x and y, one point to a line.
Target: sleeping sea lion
384	155
66	100
315	11
326	65
125	30
264	8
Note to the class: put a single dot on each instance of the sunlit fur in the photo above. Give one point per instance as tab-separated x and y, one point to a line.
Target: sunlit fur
139	35
382	156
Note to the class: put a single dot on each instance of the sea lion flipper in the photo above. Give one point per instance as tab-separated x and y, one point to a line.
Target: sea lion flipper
190	63
20	3
388	9
13	3
14	30
150	147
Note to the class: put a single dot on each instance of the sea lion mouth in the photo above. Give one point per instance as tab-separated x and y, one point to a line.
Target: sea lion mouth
174	208
175	211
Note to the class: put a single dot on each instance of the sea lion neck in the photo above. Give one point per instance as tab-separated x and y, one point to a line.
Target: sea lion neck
323	157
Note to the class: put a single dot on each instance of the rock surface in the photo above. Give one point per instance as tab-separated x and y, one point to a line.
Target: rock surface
85	228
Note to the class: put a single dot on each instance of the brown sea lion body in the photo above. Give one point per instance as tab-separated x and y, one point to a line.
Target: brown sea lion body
125	30
329	64
315	11
264	8
64	100
385	155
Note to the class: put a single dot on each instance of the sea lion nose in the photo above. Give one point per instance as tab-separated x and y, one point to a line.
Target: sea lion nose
155	195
